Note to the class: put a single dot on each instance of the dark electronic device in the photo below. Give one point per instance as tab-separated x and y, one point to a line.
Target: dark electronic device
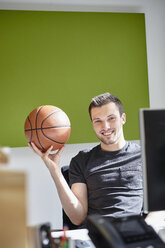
152	132
82	243
39	236
45	233
126	232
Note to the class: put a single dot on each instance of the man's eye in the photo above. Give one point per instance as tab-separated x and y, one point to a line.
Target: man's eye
111	118
97	121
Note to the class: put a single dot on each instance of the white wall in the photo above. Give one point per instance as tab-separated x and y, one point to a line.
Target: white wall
155	30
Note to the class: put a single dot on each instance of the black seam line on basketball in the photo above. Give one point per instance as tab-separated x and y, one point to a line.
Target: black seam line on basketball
55	127
49	116
41	124
31	129
36	127
62	143
43	128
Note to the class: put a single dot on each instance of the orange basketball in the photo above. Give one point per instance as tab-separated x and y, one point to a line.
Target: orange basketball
47	125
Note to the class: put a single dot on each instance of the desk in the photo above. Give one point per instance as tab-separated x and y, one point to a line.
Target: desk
79	234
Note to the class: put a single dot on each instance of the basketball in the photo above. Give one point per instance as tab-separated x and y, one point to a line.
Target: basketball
47	126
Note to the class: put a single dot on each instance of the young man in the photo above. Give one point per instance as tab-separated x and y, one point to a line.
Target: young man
107	179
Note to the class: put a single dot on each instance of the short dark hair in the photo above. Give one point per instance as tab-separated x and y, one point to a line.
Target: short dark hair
103	99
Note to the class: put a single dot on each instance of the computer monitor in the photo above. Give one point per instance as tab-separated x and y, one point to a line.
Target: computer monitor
152	135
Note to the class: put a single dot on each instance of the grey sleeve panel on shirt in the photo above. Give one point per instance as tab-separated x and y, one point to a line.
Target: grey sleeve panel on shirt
75	170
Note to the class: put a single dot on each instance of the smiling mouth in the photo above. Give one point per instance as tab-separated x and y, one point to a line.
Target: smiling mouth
107	133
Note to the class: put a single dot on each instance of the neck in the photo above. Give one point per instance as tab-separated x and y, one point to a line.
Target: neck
113	147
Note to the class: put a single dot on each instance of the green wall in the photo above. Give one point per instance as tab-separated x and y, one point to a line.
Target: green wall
66	58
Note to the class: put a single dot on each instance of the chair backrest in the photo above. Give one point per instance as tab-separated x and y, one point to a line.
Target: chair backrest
66	220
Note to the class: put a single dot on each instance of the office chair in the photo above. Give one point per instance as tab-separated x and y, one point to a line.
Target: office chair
66	220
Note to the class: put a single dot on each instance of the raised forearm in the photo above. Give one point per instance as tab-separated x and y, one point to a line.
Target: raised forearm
73	207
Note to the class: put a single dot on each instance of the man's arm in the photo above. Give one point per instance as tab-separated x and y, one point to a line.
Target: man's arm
74	200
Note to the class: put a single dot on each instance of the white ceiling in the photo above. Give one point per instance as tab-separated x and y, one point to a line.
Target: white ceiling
75	5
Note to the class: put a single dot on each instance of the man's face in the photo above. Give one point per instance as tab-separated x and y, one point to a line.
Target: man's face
107	123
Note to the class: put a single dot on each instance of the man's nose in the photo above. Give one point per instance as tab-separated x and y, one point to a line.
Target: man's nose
106	125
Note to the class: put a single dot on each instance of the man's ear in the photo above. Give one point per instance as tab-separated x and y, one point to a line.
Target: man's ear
123	117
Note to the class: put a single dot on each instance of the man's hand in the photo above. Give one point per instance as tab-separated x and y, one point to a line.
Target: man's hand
52	160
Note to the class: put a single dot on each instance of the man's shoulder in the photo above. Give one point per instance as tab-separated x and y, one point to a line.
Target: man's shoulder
85	153
134	146
88	151
81	159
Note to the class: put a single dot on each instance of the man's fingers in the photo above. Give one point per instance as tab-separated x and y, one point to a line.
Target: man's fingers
29	145
47	155
60	151
56	156
35	149
48	151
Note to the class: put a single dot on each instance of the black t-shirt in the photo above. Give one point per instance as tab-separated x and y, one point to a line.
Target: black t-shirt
113	179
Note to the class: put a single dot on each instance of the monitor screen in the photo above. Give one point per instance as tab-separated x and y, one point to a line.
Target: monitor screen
152	135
